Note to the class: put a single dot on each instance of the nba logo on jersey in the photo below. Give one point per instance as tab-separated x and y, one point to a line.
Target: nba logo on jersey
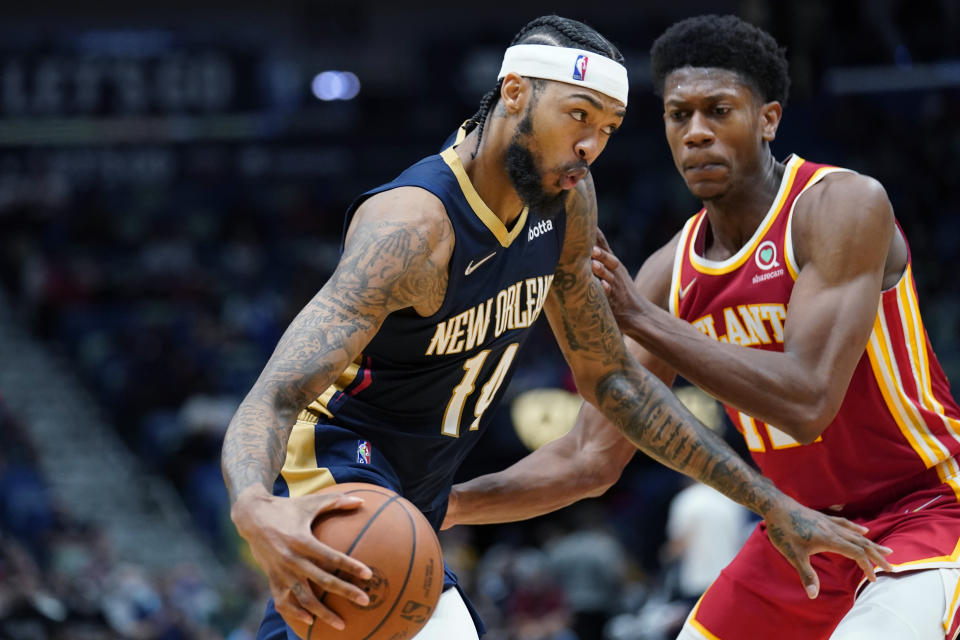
580	68
363	452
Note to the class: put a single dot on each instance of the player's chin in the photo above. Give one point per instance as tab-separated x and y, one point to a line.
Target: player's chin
705	190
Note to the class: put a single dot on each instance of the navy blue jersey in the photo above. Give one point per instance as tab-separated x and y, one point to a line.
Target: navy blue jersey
408	411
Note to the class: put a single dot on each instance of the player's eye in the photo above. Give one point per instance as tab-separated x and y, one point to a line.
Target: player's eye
578	115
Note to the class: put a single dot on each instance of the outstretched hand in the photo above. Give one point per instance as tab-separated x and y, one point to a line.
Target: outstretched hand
615	280
798	532
279	532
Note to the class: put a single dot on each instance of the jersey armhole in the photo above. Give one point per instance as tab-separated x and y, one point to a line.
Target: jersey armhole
791	257
674	296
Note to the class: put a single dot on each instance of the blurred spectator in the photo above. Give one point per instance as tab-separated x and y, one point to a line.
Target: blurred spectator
705	530
590	565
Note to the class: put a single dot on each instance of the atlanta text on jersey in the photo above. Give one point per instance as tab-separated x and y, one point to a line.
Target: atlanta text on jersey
746	324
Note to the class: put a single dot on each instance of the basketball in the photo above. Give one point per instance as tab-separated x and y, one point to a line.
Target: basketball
392	537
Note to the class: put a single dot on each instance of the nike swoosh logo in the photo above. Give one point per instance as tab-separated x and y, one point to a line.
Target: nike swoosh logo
684	290
473	267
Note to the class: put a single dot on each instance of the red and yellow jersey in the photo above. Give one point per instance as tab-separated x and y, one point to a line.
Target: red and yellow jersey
898	428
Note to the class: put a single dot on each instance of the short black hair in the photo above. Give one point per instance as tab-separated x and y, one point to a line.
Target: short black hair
550	30
724	42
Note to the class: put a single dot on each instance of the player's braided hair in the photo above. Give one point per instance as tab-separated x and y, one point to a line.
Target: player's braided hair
551	30
725	42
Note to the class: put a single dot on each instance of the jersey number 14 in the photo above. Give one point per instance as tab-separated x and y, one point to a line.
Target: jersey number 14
454	411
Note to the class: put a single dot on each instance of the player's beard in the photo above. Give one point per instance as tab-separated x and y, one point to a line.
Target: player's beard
526	177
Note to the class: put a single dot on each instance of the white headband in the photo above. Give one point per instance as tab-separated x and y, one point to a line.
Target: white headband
572	66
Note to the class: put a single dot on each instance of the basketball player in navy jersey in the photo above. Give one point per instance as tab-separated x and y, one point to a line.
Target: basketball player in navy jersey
390	373
789	297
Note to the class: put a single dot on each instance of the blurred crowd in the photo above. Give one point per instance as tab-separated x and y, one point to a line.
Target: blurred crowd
167	297
60	579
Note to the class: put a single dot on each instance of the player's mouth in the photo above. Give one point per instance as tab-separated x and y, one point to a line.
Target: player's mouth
703	165
570	178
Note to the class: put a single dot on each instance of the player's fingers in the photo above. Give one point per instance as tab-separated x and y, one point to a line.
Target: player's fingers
858	554
328	581
801	563
875	551
284	590
605	256
302	604
880	559
599	269
293	613
866	553
326	558
847	524
811	582
335	502
874	555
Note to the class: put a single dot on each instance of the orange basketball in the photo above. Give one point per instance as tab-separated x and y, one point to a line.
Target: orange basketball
389	535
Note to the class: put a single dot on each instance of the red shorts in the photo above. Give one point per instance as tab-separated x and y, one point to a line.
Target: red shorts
759	595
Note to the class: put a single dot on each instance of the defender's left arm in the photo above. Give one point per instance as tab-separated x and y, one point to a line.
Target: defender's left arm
652	417
844	240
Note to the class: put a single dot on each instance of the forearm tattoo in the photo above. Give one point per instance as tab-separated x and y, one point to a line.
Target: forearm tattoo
654	419
386	266
647	412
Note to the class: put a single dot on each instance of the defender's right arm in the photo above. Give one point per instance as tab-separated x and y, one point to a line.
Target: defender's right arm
396	256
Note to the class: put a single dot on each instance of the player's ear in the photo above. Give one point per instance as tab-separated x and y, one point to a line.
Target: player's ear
770	114
514	91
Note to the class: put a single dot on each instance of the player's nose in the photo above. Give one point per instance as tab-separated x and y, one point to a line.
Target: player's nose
698	131
589	147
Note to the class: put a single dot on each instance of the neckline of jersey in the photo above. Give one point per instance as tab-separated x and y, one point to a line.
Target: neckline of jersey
719	267
487	216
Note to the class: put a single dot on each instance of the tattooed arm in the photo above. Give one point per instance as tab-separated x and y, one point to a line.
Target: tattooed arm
583	463
651	417
396	255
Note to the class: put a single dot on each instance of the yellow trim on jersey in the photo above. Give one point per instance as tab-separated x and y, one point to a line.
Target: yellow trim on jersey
488	217
674	298
951	561
953	557
461	133
750	432
908	419
952	609
789	258
917	345
714	268
920	367
300	470
696	624
949	473
319	406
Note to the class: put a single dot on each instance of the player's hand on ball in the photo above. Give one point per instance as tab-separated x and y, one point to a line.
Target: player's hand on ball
279	533
798	532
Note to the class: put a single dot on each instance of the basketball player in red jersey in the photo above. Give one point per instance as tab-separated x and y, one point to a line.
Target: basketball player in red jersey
839	395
